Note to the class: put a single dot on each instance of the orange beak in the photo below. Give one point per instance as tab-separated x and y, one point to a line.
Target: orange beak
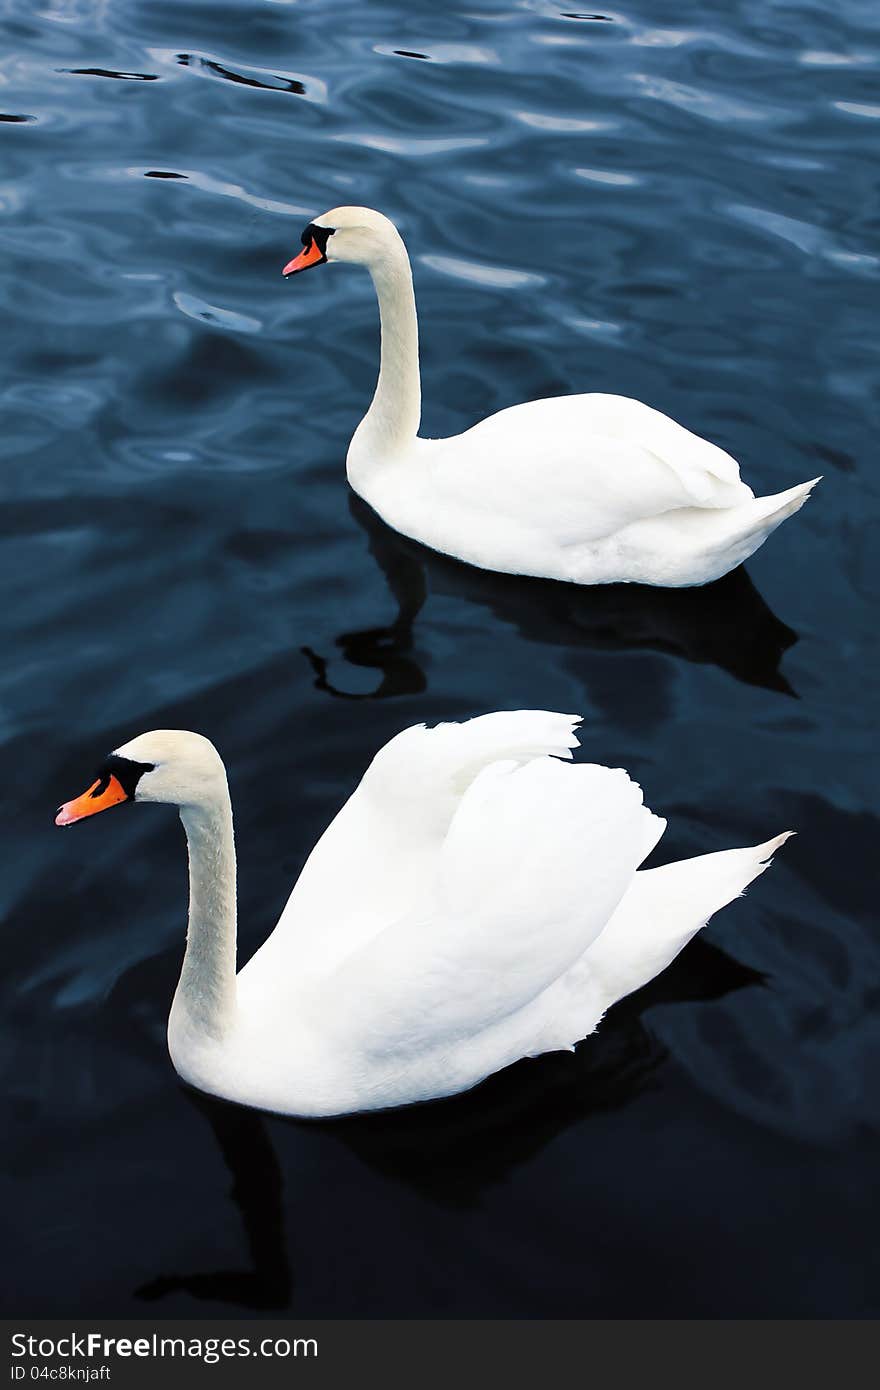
312	255
98	798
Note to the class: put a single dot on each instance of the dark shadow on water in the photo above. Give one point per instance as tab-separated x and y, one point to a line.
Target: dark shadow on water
257	1192
389	649
449	1150
726	624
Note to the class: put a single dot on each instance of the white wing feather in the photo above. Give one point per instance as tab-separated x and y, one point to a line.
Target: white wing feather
535	862
376	859
583	467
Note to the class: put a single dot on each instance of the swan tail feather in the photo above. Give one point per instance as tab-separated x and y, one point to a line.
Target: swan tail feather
711	543
665	907
773	510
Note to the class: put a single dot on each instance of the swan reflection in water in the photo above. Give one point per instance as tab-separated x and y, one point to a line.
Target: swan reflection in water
726	623
450	1150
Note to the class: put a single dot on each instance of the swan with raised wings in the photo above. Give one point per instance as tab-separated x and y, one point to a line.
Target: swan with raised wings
477	900
593	489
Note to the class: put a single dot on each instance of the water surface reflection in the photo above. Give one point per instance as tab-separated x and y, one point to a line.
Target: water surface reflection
727	623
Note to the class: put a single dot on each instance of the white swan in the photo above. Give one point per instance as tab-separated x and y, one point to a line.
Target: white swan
475	901
593	489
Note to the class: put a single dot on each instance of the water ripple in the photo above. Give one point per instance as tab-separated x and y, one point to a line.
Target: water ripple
413	145
859	108
618	179
498	277
196	308
310	88
712	106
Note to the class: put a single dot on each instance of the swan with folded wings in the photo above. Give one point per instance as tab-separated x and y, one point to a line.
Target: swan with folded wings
593	489
478	899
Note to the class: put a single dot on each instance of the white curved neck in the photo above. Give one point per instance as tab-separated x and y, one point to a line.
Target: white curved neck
204	1002
392	422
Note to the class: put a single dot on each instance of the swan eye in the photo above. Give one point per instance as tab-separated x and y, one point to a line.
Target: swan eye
318	235
126	772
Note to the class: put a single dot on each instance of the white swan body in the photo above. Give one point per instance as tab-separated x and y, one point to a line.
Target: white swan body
477	900
593	489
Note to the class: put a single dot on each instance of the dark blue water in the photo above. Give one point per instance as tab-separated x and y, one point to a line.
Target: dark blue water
678	202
